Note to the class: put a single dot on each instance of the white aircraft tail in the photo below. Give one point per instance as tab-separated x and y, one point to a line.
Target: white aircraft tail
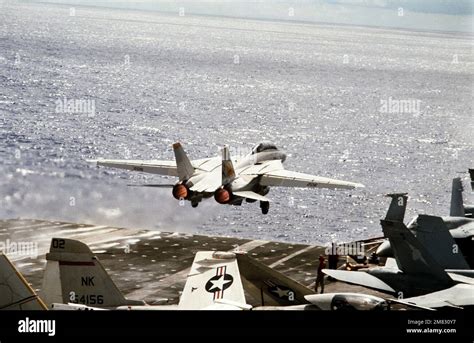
214	278
228	172
15	292
74	274
183	164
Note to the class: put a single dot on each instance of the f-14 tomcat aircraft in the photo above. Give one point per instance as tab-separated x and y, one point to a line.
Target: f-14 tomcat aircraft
250	178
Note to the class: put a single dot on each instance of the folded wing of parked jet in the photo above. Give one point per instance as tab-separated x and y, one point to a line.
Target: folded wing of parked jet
268	286
213	282
15	292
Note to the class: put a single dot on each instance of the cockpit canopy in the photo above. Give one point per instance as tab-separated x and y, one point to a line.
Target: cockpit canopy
264	146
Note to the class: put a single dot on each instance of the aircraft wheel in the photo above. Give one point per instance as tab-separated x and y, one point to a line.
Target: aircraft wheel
194	204
265	206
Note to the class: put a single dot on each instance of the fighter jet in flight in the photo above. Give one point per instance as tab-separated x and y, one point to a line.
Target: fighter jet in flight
229	181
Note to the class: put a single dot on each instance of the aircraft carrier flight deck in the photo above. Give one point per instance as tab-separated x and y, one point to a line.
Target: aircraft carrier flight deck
153	265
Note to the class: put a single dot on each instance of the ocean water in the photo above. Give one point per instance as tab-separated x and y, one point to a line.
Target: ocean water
143	80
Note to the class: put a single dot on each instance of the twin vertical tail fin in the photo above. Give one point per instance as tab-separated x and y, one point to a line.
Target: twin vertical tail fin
395	213
214	278
74	274
412	256
398	206
228	172
15	292
457	204
471	174
183	164
433	233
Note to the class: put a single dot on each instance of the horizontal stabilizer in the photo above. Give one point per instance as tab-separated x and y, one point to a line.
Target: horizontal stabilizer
456	276
391	263
251	195
209	183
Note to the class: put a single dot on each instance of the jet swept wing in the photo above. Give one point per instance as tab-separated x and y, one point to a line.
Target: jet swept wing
151	166
287	178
